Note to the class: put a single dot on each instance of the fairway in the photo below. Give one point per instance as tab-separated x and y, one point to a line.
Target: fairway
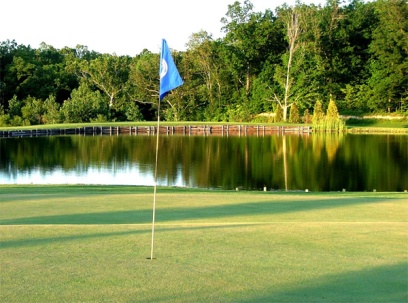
92	243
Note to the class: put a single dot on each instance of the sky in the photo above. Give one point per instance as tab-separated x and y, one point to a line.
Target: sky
121	27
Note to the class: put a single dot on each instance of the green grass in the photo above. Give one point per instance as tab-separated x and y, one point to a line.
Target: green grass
123	124
353	125
379	125
91	244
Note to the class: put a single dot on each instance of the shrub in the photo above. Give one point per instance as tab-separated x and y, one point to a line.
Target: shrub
52	113
278	114
133	112
318	114
307	117
4	120
333	120
294	115
329	122
32	111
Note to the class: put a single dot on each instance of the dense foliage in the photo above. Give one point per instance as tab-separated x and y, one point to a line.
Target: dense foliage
353	54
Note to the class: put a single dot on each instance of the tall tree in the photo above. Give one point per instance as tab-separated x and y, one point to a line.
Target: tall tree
109	73
293	75
19	72
330	41
292	19
204	69
7	51
389	65
251	43
239	29
143	84
38	73
358	25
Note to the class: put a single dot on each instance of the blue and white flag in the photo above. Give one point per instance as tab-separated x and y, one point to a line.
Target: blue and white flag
169	75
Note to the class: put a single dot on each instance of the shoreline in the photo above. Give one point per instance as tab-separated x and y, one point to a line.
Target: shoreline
221	130
187	129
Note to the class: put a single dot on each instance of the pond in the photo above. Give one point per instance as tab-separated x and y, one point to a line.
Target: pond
316	162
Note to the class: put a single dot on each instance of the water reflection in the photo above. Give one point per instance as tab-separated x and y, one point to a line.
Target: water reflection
315	162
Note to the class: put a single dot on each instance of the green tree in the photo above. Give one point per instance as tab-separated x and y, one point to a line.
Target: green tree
133	112
109	73
332	119
294	115
4	118
250	42
84	105
13	115
307	118
330	39
143	83
20	74
298	62
389	64
32	111
264	84
238	26
202	75
332	111
346	32
278	114
291	17
178	104
14	106
7	84
51	113
318	113
37	73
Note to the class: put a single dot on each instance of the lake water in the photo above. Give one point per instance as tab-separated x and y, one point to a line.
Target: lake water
295	162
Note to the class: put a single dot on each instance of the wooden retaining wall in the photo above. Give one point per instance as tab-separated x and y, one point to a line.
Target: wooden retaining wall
220	130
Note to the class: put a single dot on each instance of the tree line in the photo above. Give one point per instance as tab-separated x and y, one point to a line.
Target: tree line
269	66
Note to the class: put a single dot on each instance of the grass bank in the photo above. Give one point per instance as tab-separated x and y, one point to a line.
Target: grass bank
375	125
146	123
354	125
91	243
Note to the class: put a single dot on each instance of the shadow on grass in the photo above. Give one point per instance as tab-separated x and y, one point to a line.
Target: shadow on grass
361	122
37	192
45	241
388	284
194	213
77	237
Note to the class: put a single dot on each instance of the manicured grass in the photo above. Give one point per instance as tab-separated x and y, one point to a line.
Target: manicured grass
374	126
382	123
139	123
91	244
377	125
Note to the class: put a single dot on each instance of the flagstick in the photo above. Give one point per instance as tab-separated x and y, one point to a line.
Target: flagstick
169	79
155	178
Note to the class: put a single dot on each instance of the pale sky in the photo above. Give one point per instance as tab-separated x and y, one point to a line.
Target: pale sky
123	27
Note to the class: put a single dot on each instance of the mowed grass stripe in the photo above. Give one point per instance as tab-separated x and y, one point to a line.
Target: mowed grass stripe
215	224
133	205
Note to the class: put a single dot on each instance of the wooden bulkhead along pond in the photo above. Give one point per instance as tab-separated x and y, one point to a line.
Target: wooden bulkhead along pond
220	130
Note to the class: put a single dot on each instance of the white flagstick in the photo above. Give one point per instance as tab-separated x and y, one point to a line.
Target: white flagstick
155	178
169	79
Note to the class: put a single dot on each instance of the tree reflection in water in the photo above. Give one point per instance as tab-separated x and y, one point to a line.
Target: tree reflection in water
325	162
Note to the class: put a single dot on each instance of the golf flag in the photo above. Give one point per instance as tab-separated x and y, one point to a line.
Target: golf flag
169	75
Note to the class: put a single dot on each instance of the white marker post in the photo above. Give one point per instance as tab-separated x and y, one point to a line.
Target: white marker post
169	79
